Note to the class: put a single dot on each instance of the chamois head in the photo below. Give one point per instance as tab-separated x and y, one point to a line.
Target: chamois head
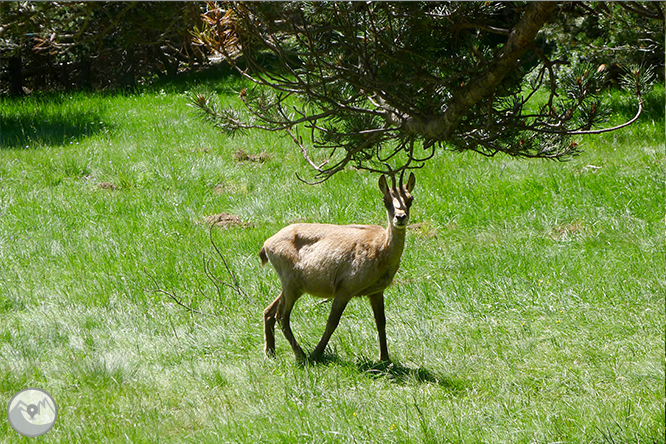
397	200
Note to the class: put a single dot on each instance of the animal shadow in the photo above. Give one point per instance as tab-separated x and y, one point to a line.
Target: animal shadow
395	372
403	374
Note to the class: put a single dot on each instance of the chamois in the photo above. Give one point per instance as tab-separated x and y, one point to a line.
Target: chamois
337	262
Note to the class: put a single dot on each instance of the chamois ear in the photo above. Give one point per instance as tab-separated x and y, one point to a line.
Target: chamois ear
383	186
411	182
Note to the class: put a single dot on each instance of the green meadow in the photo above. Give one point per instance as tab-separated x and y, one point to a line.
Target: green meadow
529	307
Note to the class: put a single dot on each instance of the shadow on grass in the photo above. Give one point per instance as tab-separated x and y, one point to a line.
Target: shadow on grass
221	77
653	105
48	119
394	372
402	374
215	77
32	131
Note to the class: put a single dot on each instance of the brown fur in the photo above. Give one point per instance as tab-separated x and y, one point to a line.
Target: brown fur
336	262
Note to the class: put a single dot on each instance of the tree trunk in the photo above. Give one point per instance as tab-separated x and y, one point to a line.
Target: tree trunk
14	70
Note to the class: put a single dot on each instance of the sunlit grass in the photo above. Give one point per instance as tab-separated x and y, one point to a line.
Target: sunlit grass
529	306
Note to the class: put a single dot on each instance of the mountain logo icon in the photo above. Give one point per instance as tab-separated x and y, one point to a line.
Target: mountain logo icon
32	412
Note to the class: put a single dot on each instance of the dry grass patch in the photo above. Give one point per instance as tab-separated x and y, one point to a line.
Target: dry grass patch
224	220
242	156
567	231
107	186
424	229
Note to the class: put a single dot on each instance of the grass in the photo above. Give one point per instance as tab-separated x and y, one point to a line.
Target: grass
529	306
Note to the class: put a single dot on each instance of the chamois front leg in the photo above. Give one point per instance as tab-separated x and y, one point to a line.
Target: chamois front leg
339	304
377	303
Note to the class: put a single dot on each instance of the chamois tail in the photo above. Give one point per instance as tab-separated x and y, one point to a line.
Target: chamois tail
263	257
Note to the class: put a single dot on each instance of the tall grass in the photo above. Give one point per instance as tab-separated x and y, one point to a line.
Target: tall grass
529	306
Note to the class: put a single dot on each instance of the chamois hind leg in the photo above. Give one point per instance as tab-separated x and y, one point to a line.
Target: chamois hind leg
284	315
339	303
377	303
270	316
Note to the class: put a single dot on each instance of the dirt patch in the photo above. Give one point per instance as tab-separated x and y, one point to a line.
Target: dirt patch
107	186
224	220
226	188
221	189
242	156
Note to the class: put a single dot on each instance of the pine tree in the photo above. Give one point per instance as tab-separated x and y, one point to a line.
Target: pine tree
382	85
